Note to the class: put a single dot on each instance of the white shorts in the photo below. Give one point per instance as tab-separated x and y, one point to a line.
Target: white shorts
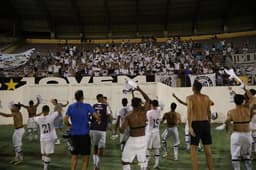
17	137
135	146
31	124
241	145
153	139
47	147
173	133
98	138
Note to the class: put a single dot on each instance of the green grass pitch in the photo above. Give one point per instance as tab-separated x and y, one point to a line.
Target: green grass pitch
112	155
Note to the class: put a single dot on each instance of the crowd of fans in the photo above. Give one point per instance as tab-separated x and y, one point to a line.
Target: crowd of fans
145	58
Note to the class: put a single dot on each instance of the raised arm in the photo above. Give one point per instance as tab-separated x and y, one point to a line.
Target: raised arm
37	102
6	115
22	105
64	105
146	97
179	100
248	93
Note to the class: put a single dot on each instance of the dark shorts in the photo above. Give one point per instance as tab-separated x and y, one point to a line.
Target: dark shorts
81	145
203	131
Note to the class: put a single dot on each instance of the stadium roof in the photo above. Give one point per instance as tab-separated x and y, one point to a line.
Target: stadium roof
125	18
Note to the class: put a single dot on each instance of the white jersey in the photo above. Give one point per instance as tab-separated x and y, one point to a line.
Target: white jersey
46	125
123	112
153	117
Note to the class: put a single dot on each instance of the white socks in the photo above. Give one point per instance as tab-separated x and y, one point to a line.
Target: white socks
96	160
157	156
176	152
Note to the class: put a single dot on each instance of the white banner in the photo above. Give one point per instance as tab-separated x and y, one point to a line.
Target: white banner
169	80
205	79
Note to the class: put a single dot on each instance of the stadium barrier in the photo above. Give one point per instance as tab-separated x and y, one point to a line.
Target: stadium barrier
64	91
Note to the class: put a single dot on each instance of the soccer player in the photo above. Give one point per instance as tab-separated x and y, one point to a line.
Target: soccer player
240	137
58	122
110	126
199	117
18	132
187	135
79	113
47	133
173	120
136	144
120	119
153	132
31	125
98	129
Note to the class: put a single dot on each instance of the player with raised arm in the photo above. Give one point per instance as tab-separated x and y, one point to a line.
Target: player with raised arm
136	144
47	133
18	132
31	125
199	118
240	135
58	122
173	120
187	135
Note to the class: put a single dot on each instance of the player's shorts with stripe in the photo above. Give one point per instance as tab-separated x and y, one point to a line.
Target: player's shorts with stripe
173	133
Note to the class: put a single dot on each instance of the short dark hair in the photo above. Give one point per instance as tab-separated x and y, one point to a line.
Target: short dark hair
55	100
197	85
45	109
124	101
99	96
238	99
31	102
253	92
18	106
173	106
155	103
136	102
79	95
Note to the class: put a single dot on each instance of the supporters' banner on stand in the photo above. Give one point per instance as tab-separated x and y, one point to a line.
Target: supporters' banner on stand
170	80
205	79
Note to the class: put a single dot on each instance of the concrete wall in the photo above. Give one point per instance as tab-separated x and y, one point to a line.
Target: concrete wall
113	91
